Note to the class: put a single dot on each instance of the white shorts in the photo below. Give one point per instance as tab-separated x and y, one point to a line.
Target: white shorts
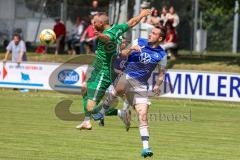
135	91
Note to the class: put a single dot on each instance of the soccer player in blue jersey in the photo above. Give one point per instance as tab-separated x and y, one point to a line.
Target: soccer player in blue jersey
143	57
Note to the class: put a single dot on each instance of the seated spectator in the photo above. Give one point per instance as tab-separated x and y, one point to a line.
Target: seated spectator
60	31
89	38
154	19
171	38
75	36
163	18
173	17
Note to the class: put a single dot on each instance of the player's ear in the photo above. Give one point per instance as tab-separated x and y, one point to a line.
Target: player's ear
160	39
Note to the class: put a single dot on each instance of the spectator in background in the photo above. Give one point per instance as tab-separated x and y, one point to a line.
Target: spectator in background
154	19
89	38
171	39
75	35
94	9
163	18
173	17
60	31
17	48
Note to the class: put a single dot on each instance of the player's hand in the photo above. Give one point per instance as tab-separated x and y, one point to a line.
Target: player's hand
136	48
156	90
146	12
96	32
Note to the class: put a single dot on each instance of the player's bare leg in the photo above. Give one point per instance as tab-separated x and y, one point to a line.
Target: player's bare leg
142	112
86	124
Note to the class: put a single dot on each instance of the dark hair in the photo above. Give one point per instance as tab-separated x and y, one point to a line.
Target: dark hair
154	12
163	32
165	7
170	24
17	35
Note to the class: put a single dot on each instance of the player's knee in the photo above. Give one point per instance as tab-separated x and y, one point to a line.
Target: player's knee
89	108
143	118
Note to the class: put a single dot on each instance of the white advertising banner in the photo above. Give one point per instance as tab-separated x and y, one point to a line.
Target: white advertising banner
200	85
69	78
43	76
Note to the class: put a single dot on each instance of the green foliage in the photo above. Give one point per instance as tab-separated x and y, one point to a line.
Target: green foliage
218	21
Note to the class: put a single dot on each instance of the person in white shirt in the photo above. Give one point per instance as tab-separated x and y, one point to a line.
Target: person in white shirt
17	48
173	17
154	19
75	35
163	17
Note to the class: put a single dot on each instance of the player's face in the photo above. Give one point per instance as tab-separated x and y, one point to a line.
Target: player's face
154	35
98	25
16	40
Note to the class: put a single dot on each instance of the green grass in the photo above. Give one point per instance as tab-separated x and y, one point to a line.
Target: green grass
30	130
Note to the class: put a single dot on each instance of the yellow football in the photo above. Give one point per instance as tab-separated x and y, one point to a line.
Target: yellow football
47	37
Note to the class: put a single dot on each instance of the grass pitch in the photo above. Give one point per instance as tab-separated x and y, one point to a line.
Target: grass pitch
179	130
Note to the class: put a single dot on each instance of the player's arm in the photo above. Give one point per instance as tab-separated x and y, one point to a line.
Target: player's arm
161	73
127	52
101	36
135	20
134	47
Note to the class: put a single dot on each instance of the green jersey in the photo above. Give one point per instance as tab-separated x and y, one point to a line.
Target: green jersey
101	78
105	50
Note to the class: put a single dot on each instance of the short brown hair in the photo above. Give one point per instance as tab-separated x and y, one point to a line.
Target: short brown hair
17	35
163	32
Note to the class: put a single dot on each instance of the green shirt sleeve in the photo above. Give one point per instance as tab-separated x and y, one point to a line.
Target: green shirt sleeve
116	31
124	27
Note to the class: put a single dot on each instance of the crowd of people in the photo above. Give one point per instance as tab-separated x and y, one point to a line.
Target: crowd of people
81	39
169	19
81	36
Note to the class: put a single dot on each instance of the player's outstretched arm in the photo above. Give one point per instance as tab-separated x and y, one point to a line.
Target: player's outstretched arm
135	20
127	52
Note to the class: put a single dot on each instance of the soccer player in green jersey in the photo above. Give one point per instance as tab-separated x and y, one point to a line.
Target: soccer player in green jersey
109	38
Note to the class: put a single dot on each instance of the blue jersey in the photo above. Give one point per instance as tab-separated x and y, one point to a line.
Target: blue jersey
141	65
120	63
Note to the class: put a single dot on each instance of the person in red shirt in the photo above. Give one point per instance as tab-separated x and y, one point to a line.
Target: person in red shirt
89	38
171	38
60	31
